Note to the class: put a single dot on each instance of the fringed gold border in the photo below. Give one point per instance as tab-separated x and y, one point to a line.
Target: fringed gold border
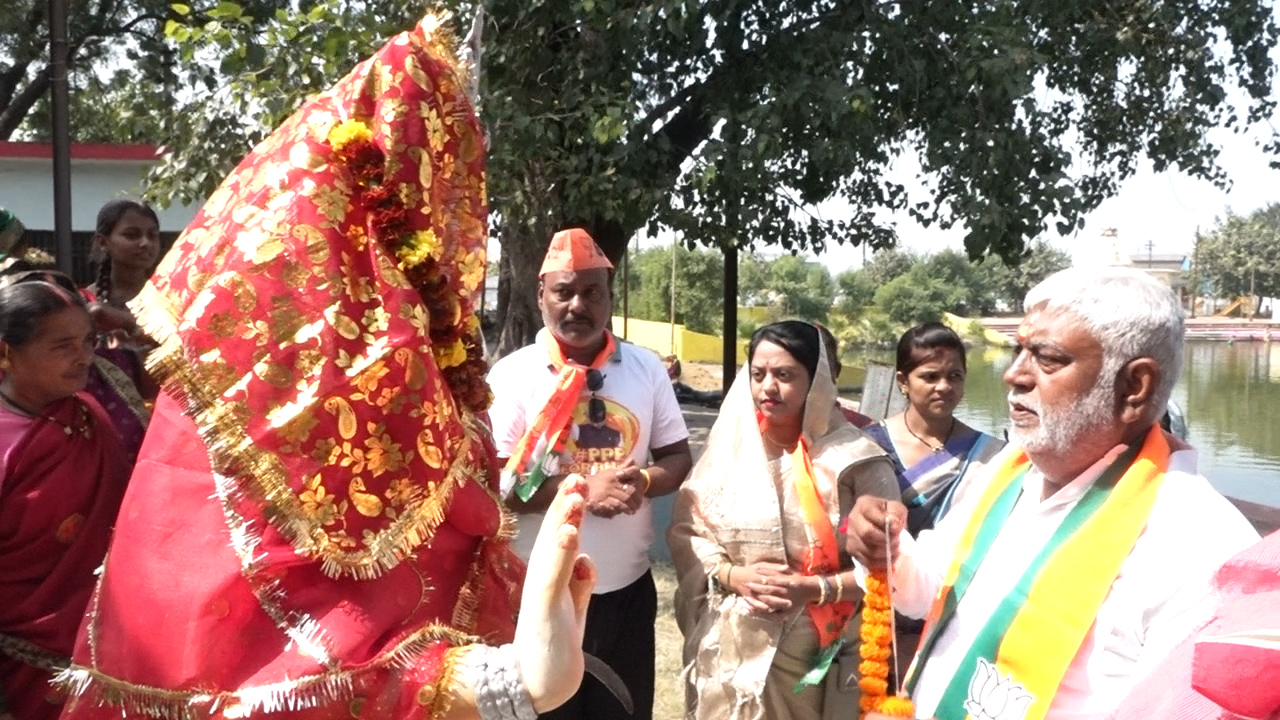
91	615
260	476
443	39
449	666
123	387
466	609
302	629
32	655
297	694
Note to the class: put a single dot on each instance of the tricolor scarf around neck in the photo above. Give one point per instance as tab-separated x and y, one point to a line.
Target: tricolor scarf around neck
546	435
1022	653
822	558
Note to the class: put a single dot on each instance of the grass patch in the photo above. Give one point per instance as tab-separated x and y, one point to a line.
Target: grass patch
668	695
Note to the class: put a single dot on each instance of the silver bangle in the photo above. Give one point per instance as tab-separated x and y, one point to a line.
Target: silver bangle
500	691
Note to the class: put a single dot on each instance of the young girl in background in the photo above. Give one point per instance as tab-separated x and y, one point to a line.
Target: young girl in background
126	245
62	478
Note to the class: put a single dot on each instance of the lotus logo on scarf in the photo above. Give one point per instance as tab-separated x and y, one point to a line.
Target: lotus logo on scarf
993	696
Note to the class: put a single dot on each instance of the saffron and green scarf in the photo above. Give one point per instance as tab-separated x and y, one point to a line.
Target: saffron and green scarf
1022	653
526	469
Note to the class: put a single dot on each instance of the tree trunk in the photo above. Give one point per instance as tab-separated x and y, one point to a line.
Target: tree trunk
518	316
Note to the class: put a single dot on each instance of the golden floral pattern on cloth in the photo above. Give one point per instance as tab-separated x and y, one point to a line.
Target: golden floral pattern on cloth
69	529
317	321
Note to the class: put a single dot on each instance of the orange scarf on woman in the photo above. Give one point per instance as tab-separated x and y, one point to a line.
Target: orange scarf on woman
822	557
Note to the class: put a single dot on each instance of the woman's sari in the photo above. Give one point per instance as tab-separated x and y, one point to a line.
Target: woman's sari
116	381
929	486
739	507
58	503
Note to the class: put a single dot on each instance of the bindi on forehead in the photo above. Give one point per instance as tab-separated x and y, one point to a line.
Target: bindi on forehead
1028	325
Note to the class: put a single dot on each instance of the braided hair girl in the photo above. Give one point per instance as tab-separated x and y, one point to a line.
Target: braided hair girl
126	245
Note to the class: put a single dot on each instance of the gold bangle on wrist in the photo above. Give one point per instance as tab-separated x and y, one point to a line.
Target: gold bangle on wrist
822	590
648	481
839	587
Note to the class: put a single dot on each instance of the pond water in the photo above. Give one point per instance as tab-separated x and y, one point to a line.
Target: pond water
1230	394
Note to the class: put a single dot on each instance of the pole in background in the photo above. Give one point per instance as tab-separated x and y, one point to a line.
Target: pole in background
674	249
626	287
729	366
1195	272
61	133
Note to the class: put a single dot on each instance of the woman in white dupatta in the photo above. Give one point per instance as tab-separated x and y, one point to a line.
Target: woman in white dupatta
766	606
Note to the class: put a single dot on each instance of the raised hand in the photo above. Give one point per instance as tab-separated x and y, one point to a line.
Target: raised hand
553	607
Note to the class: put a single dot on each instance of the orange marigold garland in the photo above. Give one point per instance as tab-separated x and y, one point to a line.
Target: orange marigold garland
877	650
452	325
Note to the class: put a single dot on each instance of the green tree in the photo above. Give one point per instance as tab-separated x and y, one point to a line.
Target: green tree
1011	282
753	280
960	276
794	287
801	289
699	287
122	70
916	297
726	122
888	264
855	290
1241	254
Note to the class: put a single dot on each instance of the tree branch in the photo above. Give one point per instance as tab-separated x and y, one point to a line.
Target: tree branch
695	121
9	81
13	114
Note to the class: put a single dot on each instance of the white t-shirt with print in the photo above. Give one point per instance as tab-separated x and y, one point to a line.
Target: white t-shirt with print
641	413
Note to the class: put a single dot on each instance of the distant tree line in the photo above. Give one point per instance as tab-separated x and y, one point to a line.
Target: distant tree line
895	289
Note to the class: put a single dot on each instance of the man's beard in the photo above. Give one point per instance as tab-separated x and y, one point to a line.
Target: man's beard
1065	427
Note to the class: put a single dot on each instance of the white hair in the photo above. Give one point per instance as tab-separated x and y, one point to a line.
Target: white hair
1128	312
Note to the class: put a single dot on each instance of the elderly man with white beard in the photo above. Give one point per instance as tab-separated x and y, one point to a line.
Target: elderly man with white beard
1069	569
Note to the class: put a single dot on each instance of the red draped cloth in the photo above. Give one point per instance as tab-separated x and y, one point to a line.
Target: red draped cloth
313	528
1219	673
178	609
58	502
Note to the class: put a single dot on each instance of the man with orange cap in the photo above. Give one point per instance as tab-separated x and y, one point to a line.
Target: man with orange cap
578	401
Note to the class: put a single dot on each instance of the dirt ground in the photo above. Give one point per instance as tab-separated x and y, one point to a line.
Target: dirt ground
701	376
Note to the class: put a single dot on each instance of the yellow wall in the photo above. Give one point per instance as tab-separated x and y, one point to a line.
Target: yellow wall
689	346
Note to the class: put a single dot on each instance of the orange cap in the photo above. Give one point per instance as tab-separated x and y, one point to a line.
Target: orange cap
573	249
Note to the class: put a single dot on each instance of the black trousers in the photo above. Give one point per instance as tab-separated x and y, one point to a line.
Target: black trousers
620	628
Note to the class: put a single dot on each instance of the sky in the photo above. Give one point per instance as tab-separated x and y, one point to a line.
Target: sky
1163	208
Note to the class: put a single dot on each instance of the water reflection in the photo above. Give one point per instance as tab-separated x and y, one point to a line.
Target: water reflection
1230	393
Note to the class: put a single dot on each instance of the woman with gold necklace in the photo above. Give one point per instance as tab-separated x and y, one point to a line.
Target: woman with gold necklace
931	449
62	478
767	597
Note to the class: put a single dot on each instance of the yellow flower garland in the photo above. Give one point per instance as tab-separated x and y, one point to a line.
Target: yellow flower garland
349	131
876	651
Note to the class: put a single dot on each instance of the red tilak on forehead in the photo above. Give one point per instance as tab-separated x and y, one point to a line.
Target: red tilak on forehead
1028	324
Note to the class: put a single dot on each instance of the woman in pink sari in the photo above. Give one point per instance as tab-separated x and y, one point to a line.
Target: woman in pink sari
62	477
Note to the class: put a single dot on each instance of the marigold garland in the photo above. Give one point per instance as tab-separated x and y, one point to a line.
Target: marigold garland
876	650
452	325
